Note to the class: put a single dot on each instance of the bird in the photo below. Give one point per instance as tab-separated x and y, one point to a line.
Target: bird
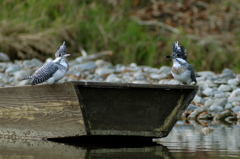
53	71
181	69
179	51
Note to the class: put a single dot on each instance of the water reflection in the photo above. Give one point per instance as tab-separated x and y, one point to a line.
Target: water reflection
204	139
31	149
187	140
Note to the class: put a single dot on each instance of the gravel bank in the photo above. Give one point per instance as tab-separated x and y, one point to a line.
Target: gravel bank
218	96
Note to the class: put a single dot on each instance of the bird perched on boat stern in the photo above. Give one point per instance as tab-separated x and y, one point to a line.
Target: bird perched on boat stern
53	71
181	70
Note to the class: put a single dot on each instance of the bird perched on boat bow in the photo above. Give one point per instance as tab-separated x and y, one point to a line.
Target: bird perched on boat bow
53	71
181	70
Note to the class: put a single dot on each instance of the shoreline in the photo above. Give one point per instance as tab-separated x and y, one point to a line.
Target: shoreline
218	97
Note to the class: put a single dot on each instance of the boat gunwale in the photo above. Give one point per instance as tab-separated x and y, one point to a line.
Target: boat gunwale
131	85
114	85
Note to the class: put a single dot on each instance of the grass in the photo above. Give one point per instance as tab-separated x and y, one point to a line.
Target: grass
35	29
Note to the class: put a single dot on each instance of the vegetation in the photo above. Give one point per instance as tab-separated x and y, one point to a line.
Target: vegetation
135	30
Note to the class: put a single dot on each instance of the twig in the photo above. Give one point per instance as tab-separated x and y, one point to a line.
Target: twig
156	23
94	56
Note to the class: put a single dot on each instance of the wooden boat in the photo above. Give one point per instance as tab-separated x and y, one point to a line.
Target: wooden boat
91	108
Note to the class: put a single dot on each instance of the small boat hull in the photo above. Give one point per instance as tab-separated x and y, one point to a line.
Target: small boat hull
92	108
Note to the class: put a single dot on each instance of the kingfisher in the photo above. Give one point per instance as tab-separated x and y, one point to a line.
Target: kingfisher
181	69
53	71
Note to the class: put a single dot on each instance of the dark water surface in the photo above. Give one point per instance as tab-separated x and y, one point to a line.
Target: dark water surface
195	140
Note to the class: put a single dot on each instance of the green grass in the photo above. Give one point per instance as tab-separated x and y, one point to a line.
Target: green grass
35	29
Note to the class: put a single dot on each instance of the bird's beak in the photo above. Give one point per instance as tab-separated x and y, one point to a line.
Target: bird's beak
65	55
169	56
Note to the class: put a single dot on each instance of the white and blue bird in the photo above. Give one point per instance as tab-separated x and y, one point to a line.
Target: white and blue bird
181	69
53	71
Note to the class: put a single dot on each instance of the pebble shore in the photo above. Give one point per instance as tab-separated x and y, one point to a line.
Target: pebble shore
218	96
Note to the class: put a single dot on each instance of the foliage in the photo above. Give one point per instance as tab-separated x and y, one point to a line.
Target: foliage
135	30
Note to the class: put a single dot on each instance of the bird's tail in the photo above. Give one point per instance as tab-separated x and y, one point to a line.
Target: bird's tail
29	77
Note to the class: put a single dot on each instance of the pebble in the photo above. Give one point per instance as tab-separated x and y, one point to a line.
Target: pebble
206	74
235	93
18	75
208	91
220	102
236	109
191	107
31	64
104	71
198	99
4	57
85	66
158	76
113	78
227	74
234	82
228	106
216	108
13	68
224	88
217	92
165	69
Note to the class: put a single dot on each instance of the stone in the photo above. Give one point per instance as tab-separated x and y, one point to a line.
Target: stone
4	57
235	93
216	108
199	92
198	99
157	76
228	74
208	84
133	65
165	69
120	68
233	99
163	81
228	106
219	94
104	71
236	103
220	102
139	75
224	88
113	78
236	109
24	82
139	82
174	82
101	63
208	92
3	67
151	70
191	107
127	77
220	81
33	63
85	66
12	68
48	60
206	73
234	82
208	102
18	75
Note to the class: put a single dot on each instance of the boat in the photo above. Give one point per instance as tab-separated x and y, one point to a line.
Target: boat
82	108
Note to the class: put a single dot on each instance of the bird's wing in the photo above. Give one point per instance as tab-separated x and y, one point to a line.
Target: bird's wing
44	73
193	76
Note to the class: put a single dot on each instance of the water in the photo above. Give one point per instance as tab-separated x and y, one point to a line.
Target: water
193	140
